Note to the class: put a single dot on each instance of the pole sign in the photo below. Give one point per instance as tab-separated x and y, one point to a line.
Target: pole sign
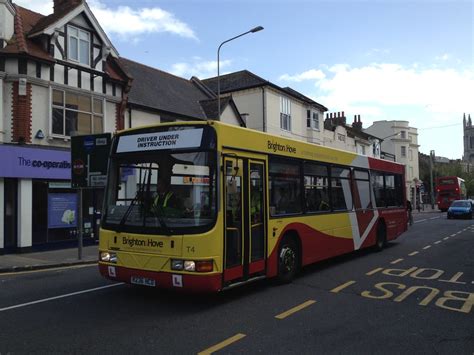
89	160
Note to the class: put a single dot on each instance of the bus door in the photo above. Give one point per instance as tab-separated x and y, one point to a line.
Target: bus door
245	232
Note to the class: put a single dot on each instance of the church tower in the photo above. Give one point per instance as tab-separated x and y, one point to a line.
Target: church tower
468	155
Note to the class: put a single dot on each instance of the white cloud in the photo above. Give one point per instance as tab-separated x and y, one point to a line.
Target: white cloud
41	6
444	57
199	68
312	74
432	100
123	20
443	90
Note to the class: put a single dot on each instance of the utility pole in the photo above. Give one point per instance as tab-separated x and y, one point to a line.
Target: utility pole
432	155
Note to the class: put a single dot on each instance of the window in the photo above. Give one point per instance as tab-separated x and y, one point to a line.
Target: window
316	187
377	186
312	119
404	151
403	134
388	189
74	112
316	120
285	114
78	45
341	198
362	149
285	192
363	190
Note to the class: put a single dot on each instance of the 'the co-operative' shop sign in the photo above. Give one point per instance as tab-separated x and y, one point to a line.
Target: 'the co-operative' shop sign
190	138
37	163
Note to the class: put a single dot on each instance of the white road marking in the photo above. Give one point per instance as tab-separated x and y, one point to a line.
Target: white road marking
434	217
58	297
427	247
453	235
445	238
437	242
414	253
421	220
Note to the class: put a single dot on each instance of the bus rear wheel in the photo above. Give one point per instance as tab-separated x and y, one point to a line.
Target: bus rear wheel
288	260
381	240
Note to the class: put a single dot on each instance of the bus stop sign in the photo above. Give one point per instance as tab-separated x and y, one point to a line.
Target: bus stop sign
89	157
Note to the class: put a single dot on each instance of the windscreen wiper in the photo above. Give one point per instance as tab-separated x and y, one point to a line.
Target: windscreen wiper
163	224
132	203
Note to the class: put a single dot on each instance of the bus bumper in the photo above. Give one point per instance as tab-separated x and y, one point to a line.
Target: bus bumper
166	280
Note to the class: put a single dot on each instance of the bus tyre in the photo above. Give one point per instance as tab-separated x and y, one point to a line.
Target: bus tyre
381	240
288	260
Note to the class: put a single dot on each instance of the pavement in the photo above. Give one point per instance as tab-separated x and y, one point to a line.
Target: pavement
48	259
69	257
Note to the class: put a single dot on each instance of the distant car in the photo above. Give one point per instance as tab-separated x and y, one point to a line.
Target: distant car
461	209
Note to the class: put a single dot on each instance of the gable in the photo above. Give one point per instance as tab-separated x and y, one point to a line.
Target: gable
80	15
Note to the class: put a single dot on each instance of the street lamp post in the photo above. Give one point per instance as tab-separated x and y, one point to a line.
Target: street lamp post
432	156
384	138
253	30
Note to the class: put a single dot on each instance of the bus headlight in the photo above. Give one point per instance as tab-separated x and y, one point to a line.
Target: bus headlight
189	265
177	264
107	257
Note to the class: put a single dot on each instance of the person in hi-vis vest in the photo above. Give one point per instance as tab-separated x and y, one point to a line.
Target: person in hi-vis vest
166	202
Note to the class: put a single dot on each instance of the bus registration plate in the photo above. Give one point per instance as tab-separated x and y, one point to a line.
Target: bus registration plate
144	281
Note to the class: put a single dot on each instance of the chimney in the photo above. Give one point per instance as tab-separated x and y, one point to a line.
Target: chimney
61	5
357	123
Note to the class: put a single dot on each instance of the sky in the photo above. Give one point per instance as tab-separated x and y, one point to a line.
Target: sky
384	60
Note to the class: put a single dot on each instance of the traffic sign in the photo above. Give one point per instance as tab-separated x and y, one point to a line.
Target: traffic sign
89	157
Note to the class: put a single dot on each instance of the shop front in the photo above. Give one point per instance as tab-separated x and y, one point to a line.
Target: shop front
39	207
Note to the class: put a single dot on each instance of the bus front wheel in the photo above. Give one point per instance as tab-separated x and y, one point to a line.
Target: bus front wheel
288	260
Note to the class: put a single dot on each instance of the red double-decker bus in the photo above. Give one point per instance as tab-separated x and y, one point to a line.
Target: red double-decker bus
448	189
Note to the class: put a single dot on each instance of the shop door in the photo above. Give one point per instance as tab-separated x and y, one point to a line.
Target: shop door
245	229
11	214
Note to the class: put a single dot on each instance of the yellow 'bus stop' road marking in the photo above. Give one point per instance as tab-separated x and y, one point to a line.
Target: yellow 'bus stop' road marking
374	271
222	344
295	309
396	261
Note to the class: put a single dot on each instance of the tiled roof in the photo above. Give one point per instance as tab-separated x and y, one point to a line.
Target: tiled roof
24	21
46	21
244	79
162	91
210	106
303	98
236	81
